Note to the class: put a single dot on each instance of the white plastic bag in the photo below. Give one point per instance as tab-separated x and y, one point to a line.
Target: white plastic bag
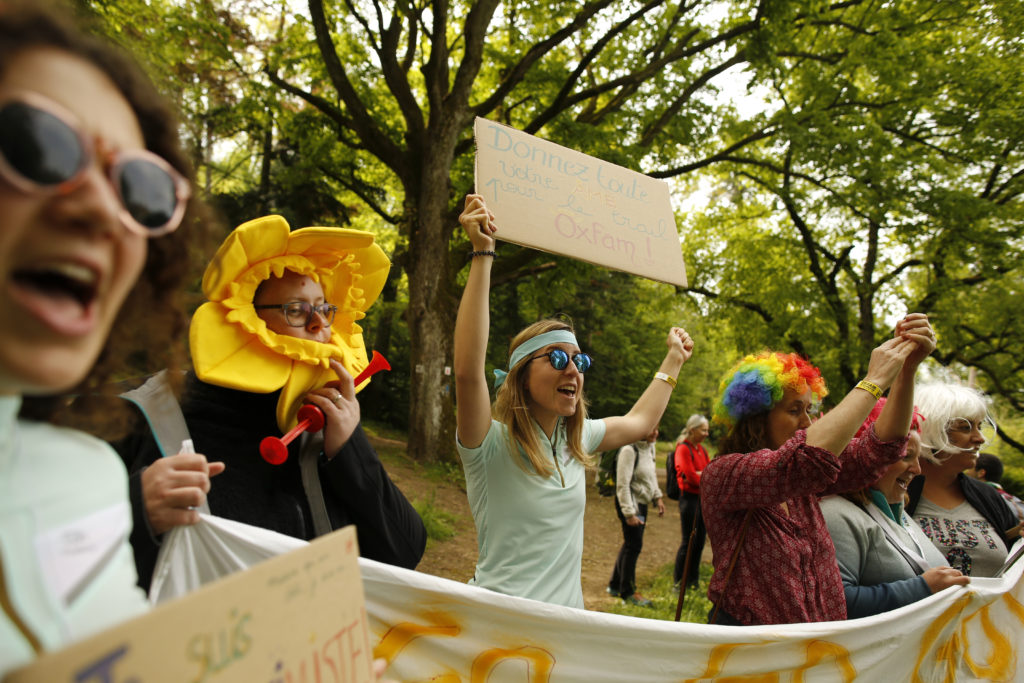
214	547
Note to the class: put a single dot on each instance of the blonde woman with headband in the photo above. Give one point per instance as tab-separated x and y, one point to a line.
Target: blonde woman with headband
525	465
965	519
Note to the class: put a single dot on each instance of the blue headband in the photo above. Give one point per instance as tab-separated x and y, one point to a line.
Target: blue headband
533	344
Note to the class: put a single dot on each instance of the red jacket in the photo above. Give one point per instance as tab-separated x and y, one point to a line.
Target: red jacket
690	459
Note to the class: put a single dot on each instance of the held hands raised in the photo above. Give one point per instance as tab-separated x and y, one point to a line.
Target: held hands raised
912	341
916	328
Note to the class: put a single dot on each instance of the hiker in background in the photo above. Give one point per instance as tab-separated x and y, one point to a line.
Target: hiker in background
690	459
636	486
774	559
525	468
989	469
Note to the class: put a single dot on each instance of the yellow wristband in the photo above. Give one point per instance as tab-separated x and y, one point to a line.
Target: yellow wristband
870	387
665	377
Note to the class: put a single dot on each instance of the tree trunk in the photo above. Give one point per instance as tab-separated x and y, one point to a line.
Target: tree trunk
431	315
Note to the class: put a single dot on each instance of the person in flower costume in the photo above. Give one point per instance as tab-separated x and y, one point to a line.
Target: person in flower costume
774	559
279	330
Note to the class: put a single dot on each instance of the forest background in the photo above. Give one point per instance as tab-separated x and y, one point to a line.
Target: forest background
833	166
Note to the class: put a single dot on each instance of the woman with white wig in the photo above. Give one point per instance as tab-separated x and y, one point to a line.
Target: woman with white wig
965	519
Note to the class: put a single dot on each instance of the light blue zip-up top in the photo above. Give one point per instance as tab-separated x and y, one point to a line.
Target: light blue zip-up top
529	529
64	522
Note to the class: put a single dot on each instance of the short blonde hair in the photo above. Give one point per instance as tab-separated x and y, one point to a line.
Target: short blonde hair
940	403
512	409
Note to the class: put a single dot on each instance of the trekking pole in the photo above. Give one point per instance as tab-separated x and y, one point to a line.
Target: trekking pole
686	563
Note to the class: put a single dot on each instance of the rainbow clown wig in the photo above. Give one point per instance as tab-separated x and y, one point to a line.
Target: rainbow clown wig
755	384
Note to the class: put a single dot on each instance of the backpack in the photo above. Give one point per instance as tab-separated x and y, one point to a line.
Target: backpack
607	467
671	483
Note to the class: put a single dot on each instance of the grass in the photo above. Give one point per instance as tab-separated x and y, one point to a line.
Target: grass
663	594
440	523
441	472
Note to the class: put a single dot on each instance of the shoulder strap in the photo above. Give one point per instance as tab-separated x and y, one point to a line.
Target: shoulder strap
689	450
162	411
914	559
309	455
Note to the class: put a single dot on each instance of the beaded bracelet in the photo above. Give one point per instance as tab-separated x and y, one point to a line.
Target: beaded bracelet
473	254
665	377
870	387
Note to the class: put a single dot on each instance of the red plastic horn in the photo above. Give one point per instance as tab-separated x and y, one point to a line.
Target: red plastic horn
311	419
275	450
377	363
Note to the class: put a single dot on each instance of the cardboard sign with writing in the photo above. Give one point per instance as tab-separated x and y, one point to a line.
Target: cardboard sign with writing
296	617
562	201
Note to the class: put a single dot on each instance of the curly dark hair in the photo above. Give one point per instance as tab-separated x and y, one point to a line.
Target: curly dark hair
148	333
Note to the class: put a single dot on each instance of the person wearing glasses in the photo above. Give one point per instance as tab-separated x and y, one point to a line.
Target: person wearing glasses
525	466
96	219
965	519
774	562
279	330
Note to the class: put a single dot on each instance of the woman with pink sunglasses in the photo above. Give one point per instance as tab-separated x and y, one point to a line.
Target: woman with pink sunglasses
96	216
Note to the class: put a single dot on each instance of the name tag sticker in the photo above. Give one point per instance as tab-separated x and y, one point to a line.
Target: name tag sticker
72	554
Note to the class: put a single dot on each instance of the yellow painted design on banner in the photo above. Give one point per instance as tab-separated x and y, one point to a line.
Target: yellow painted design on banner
1016	608
539	663
818	651
716	662
1001	659
947	651
400	635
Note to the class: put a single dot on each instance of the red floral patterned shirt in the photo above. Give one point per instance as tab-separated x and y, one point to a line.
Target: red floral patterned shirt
786	571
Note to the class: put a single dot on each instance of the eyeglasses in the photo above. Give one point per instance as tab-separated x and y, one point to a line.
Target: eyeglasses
961	425
559	359
300	313
43	149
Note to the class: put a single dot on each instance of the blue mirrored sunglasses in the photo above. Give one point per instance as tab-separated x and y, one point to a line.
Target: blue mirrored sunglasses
559	359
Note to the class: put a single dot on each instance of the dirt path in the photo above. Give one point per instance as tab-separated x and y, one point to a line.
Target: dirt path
602	536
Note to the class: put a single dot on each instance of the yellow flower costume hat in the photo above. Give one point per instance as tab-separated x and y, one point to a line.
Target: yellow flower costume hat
232	346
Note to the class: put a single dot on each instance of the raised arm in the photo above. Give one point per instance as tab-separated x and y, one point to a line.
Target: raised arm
894	421
472	400
648	409
835	429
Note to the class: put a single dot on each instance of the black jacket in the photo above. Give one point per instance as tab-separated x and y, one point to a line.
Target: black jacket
228	425
983	497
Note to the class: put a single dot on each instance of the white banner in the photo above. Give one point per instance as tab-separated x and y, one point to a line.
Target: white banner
433	629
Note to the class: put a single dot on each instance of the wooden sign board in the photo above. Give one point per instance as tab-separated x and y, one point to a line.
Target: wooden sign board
295	617
562	201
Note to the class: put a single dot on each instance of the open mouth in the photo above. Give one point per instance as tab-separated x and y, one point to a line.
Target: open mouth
568	390
61	281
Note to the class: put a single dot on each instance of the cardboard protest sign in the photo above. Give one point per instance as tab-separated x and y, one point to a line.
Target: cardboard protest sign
562	201
295	617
